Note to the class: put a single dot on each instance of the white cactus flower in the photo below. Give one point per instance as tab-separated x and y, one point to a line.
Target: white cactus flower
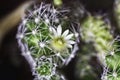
61	41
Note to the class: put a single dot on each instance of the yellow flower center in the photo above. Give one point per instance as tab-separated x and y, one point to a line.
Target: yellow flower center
58	44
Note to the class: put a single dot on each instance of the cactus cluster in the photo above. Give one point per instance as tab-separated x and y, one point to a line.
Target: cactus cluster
44	42
47	42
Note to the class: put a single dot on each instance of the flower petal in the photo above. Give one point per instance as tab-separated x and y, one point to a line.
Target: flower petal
59	30
52	30
69	46
71	42
69	36
65	33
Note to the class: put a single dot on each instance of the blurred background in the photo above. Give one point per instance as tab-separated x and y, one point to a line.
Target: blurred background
86	65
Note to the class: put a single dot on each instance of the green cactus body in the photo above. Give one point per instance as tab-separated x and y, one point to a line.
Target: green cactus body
96	36
48	44
112	62
96	31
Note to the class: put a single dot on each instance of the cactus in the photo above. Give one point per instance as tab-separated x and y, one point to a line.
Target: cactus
97	31
112	62
44	42
112	66
96	38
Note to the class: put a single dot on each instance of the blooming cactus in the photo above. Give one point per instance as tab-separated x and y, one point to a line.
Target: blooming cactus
44	43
